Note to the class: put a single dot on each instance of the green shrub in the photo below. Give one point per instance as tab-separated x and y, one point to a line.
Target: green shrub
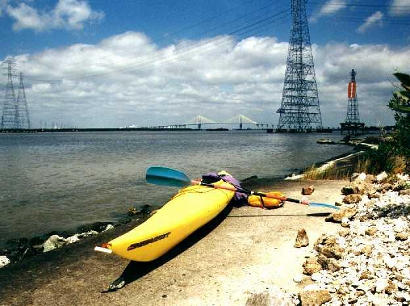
400	104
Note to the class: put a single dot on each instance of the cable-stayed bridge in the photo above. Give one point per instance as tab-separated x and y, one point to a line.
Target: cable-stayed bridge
201	122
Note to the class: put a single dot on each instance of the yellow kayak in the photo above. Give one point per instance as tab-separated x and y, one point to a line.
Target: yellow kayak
187	211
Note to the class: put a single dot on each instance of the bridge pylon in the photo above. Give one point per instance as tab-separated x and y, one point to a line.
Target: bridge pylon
199	120
241	119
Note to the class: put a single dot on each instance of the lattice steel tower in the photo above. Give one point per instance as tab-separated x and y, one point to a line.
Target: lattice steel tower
10	117
352	115
22	105
15	113
300	110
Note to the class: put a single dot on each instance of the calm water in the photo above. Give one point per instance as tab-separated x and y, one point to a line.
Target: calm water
58	181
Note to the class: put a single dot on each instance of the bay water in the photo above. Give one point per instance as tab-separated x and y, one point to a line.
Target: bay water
59	181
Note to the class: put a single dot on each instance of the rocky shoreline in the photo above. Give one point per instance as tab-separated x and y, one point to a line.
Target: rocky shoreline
368	261
17	250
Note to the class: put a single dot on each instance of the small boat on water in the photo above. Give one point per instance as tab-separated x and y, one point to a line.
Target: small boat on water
190	209
325	141
217	129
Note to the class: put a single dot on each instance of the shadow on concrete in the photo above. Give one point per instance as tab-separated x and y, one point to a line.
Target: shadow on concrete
325	214
135	270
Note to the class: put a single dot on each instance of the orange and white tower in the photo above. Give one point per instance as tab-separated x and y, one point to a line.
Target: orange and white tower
352	123
352	115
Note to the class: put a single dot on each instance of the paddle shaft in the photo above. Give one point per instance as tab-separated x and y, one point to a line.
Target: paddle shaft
249	192
303	201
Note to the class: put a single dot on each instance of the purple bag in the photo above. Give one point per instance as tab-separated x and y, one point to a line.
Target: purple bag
239	198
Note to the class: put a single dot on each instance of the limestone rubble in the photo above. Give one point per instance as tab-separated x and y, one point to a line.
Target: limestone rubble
302	239
368	261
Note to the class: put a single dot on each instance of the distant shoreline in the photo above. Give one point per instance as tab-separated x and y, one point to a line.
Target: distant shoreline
64	130
166	128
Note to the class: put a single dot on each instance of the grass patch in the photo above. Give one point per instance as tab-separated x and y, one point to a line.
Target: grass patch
370	162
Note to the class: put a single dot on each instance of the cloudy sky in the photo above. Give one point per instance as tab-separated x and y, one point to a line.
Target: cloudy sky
104	63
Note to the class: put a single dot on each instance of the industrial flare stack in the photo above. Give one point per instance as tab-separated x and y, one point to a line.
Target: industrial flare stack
352	124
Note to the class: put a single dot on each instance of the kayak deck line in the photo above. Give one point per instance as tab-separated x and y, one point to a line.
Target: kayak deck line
147	241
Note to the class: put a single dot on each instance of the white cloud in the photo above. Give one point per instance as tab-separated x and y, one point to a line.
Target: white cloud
27	18
329	8
374	19
67	14
73	13
332	7
400	8
126	79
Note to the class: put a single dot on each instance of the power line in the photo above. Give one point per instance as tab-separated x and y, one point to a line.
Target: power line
222	13
201	34
349	19
362	5
184	51
362	8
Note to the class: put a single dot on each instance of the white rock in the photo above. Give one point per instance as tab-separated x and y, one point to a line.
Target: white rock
402	262
311	287
381	284
381	177
403	177
390	237
334	303
345	222
403	295
297	278
294	177
316	276
361	229
365	286
53	242
344	263
87	234
4	261
406	273
389	262
400	225
73	239
108	227
401	286
361	177
341	241
331	289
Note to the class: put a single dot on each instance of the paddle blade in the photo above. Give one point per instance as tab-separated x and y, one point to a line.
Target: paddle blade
323	205
306	201
166	177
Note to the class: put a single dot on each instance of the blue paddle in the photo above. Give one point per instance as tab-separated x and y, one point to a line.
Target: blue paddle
164	176
167	177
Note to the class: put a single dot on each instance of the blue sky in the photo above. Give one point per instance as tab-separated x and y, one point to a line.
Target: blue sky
115	63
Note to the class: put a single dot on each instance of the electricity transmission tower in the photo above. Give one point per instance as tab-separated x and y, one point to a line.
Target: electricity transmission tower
22	104
10	117
15	113
299	110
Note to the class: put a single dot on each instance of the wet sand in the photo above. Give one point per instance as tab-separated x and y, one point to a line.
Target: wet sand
244	251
